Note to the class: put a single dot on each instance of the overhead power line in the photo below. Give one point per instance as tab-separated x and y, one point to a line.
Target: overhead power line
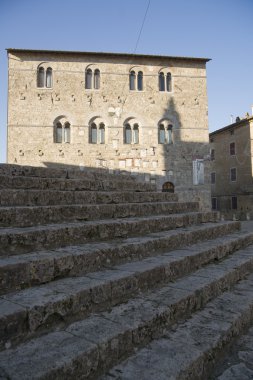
143	22
134	51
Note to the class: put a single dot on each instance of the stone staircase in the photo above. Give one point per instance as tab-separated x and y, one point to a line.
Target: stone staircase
102	277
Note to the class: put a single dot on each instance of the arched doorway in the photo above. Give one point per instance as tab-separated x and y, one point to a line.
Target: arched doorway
168	187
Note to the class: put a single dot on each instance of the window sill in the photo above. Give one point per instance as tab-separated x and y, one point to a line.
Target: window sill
44	88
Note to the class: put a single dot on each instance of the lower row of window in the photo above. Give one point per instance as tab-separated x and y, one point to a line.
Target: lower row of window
233	176
97	133
233	203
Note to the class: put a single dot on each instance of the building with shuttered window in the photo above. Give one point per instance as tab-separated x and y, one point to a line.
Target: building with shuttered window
232	169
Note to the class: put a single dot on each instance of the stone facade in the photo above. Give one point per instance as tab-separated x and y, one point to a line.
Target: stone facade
232	169
35	109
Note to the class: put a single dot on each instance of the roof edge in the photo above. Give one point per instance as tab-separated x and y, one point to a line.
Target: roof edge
108	54
234	125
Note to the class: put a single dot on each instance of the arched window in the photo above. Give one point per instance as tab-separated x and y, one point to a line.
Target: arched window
165	133
102	133
168	187
165	82
92	79
96	79
136	134
131	131
128	134
44	76
49	77
97	132
40	77
88	79
93	133
67	132
169	134
140	81
161	82
62	132
161	134
58	135
168	82
132	79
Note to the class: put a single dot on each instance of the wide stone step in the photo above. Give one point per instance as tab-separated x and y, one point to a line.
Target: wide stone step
64	172
27	311
85	349
22	271
26	197
20	240
41	183
35	215
191	351
237	363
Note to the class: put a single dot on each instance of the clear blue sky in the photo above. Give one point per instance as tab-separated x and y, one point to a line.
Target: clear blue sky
218	29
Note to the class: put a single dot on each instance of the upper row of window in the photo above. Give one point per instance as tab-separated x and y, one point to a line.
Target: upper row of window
232	151
92	79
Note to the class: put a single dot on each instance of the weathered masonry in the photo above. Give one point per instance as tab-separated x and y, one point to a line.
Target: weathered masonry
143	114
232	169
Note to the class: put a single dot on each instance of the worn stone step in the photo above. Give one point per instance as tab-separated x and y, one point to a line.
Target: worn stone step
24	197
25	312
20	240
191	351
27	216
237	363
22	271
87	348
64	172
43	183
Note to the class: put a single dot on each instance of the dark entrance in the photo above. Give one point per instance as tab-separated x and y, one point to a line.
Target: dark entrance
168	187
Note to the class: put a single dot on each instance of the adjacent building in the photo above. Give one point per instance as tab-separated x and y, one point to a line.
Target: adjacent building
232	169
140	114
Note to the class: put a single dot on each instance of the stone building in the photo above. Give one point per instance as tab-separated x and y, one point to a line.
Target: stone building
232	169
139	114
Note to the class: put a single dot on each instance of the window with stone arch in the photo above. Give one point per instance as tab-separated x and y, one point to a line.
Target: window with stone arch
132	80
140	81
92	78
44	76
62	131
97	131
165	81
96	79
131	132
165	132
168	187
136	80
127	134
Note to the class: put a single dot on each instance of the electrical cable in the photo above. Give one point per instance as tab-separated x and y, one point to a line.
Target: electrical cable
135	48
143	22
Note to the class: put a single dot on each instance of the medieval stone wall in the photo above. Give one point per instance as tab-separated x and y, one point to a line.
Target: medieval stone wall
33	113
